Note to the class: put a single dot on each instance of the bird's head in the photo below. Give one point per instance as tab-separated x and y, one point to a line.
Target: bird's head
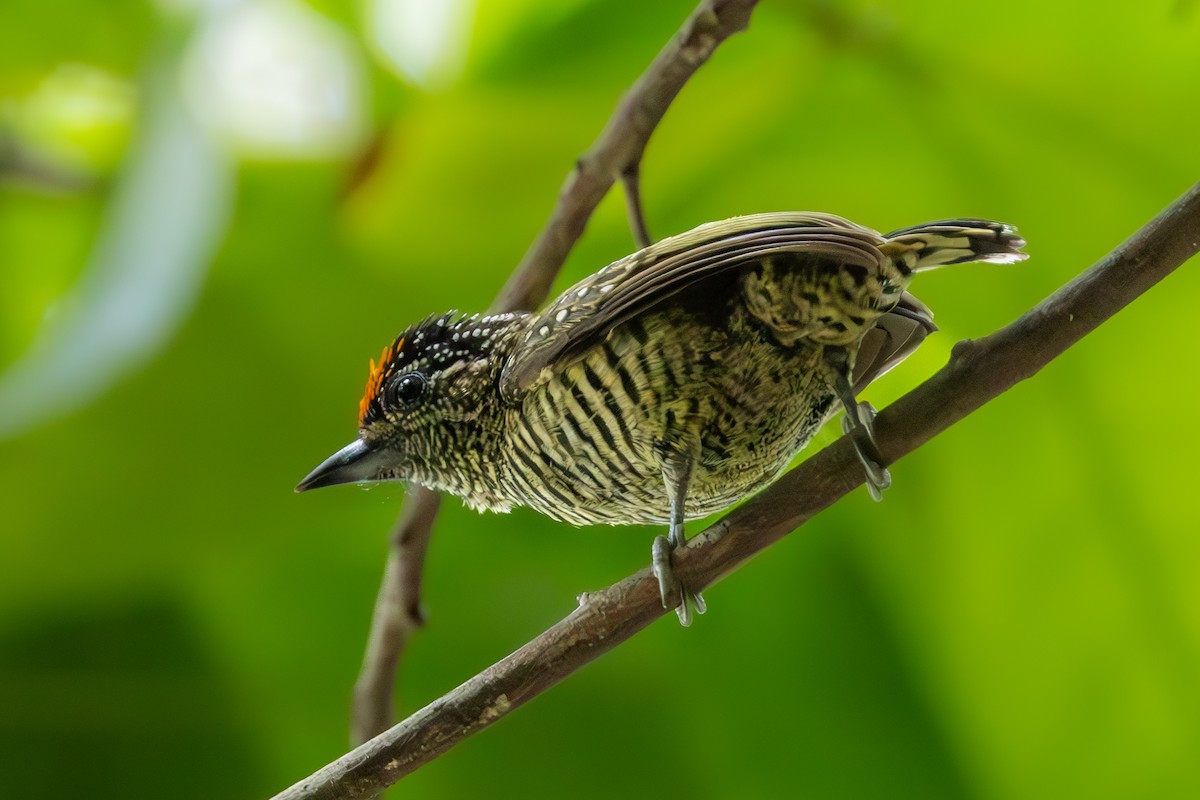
431	393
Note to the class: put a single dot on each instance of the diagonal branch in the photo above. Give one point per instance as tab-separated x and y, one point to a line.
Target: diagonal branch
977	372
614	155
618	150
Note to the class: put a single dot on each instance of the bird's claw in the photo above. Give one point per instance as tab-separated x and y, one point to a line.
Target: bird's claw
860	426
669	585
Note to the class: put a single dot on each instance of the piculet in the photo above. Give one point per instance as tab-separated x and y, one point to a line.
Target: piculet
668	385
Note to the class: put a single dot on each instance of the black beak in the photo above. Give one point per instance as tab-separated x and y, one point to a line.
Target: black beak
354	463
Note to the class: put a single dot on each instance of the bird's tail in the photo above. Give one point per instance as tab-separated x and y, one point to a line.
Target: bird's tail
954	241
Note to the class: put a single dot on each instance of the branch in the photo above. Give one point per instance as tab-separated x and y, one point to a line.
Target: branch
614	155
977	372
618	150
397	614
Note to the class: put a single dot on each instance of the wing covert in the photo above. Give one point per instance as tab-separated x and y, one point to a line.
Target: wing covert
584	314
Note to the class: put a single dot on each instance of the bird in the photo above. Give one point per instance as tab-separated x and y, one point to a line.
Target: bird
666	386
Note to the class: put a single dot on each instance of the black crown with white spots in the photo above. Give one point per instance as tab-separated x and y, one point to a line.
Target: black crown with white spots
429	347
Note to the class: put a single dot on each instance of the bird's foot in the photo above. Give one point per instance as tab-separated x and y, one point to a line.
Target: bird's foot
669	584
859	423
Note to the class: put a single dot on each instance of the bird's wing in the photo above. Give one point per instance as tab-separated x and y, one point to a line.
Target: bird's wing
585	314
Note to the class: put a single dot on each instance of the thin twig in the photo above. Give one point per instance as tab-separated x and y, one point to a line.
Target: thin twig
977	372
616	152
631	178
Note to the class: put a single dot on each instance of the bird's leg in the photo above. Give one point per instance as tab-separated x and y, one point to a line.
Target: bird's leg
676	472
858	423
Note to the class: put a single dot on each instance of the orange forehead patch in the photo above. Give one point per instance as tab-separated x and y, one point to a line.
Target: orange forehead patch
375	377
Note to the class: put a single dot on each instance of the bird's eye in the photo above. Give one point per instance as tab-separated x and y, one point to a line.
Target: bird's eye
408	389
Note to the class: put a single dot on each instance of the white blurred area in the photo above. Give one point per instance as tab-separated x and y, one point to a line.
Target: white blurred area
267	79
274	79
423	41
162	222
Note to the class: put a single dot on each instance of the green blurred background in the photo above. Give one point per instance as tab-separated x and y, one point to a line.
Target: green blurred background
212	213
